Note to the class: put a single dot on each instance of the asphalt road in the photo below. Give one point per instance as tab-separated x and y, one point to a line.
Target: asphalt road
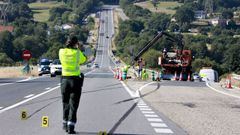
106	104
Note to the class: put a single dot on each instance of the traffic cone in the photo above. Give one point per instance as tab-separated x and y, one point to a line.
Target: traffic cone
117	74
120	76
180	79
158	76
229	84
175	76
189	77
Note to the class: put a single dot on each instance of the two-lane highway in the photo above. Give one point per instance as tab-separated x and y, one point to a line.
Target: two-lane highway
106	103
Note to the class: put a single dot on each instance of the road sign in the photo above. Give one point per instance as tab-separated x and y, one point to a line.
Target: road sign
26	54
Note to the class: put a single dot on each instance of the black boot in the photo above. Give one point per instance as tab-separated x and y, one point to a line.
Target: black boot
71	129
65	127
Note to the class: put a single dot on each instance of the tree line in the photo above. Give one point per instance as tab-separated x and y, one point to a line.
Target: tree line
41	39
214	47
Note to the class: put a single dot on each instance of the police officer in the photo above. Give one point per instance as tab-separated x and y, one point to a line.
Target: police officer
71	82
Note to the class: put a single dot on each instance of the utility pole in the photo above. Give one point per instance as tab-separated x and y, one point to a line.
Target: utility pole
4	8
209	6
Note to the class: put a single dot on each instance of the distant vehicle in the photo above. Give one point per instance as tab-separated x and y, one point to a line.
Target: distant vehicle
209	74
55	68
88	65
107	36
95	65
196	77
43	67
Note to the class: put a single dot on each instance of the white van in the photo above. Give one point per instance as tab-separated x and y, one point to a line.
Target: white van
209	75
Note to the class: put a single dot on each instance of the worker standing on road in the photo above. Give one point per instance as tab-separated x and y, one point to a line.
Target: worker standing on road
140	66
71	82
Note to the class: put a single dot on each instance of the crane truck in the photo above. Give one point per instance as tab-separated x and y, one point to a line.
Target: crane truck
176	64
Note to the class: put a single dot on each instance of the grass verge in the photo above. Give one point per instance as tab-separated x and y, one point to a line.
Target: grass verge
41	9
162	7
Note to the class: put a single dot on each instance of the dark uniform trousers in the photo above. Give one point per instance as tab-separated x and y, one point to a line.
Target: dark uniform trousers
71	88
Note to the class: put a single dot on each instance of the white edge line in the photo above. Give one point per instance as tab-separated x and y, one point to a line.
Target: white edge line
221	91
132	94
5	84
28	96
29	99
146	85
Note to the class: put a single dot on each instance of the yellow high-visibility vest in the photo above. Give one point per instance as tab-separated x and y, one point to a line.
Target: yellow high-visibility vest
71	60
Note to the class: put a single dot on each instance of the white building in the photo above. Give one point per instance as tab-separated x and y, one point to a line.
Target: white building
200	14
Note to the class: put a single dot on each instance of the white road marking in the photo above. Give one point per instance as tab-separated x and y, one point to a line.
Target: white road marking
148	112
142	106
163	130
47	88
158	125
24	80
146	85
59	84
5	84
222	92
154	119
145	109
151	115
29	99
1	108
28	96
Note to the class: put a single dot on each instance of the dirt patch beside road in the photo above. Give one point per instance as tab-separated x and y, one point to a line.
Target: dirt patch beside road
15	72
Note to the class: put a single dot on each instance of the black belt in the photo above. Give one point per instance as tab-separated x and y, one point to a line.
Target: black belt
70	77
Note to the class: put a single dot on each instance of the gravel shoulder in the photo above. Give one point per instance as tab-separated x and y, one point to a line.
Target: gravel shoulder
197	109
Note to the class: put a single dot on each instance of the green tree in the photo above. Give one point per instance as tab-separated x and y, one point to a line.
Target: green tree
232	57
6	45
5	60
184	15
151	58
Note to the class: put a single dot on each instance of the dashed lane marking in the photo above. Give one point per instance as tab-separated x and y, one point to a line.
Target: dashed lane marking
151	115
154	119
158	125
145	109
28	96
148	112
47	88
1	108
163	130
142	106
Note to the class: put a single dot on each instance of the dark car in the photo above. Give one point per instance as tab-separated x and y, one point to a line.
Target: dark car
43	67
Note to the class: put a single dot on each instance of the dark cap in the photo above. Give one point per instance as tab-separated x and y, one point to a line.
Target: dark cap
72	41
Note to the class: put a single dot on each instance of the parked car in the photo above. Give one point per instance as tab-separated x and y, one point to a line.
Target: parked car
43	67
55	68
196	77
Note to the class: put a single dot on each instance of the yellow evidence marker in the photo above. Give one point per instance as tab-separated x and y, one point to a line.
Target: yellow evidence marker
24	115
45	122
102	133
